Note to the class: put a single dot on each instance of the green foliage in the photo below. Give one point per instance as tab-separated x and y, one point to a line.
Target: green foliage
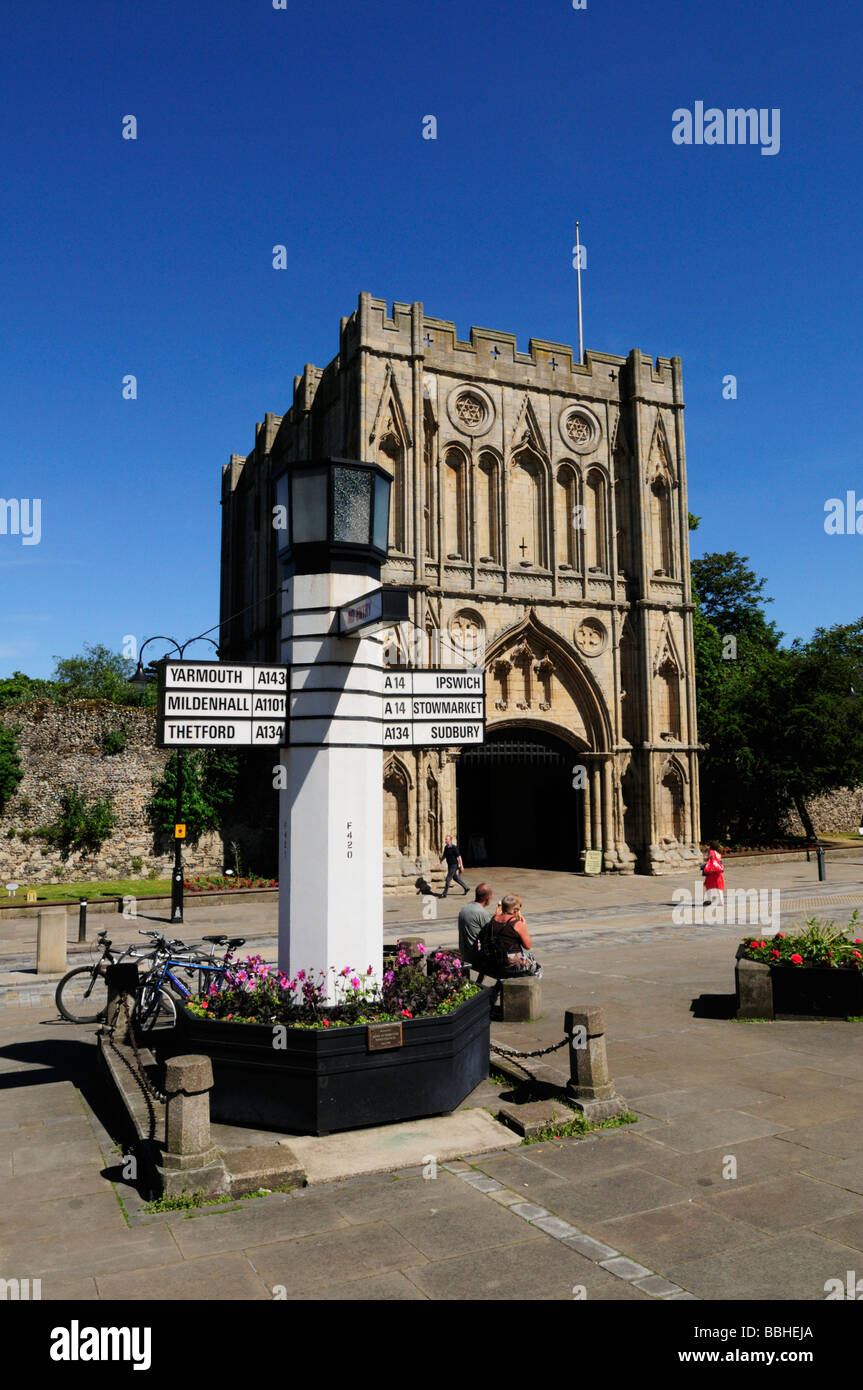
209	791
113	741
81	825
822	943
578	1126
11	771
731	597
18	688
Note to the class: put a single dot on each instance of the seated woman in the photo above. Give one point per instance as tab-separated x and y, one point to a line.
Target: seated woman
511	941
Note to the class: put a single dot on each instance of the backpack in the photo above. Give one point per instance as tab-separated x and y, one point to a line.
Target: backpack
493	951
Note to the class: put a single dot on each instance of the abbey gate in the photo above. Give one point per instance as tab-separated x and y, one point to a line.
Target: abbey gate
539	518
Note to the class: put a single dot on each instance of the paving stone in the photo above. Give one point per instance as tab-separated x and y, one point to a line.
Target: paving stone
608	1289
83	1179
456	1229
92	1252
383	1288
412	1196
553	1226
523	1174
346	1254
528	1210
785	1203
480	1182
224	1278
548	1271
706	1131
848	1229
681	1298
625	1268
667	1105
656	1285
33	1219
255	1223
505	1197
676	1233
620	1193
794	1266
756	1159
69	1290
840	1172
590	1248
602	1152
842	1138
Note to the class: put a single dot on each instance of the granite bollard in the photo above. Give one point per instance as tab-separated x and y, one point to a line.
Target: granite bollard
190	1162
51	941
590	1086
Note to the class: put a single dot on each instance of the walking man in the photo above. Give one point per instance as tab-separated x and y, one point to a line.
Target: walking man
454	866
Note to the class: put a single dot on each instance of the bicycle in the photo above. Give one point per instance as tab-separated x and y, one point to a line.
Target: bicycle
155	1006
82	994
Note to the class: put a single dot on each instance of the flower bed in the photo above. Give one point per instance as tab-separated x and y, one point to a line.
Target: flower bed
816	973
284	1058
219	883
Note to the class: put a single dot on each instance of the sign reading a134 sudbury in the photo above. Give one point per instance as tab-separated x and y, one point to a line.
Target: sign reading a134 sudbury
206	704
441	706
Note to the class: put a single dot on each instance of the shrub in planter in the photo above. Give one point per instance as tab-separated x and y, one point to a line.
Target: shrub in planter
821	944
816	973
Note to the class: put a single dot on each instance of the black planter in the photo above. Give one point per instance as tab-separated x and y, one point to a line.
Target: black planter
796	991
327	1079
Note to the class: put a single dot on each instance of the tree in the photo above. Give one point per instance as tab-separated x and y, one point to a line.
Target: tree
11	771
209	788
731	598
18	688
99	674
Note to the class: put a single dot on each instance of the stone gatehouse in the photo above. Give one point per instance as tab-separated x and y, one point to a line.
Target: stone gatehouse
539	518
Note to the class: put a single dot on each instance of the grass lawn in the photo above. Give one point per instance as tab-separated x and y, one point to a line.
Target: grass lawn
112	888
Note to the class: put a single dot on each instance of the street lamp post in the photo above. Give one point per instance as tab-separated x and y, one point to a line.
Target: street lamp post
332	543
141	680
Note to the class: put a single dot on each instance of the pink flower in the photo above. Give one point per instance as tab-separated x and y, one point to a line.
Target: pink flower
369	971
796	960
421	950
326	1023
775	954
355	984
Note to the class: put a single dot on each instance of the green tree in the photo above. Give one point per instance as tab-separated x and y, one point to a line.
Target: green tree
11	771
18	688
732	598
210	779
83	823
99	674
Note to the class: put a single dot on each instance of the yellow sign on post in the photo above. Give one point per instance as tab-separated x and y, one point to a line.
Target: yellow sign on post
31	895
179	832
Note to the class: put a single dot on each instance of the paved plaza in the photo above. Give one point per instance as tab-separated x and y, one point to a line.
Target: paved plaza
741	1179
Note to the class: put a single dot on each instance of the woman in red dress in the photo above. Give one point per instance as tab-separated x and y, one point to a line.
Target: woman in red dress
714	876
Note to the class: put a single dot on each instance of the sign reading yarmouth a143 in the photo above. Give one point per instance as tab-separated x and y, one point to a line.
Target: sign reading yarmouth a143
206	704
426	708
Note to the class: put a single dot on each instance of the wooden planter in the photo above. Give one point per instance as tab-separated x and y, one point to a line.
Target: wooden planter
796	991
325	1080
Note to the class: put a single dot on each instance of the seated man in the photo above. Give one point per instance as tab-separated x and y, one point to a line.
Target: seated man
510	941
471	921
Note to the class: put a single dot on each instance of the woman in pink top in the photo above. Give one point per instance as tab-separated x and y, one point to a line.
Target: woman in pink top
714	876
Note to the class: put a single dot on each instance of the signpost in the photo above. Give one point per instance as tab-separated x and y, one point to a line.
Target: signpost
213	704
380	608
433	708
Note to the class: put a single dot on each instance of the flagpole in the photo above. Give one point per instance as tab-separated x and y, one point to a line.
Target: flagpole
578	272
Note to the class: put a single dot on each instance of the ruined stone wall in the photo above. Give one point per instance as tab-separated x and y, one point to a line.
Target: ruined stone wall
61	746
836	813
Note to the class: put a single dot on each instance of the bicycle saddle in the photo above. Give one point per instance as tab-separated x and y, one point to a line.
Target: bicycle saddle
216	940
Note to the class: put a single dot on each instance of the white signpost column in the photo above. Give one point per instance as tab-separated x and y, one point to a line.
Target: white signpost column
331	819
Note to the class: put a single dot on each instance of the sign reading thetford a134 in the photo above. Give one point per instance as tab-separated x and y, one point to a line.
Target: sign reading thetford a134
206	704
426	708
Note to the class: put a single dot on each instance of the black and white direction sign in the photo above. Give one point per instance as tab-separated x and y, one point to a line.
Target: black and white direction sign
205	704
433	707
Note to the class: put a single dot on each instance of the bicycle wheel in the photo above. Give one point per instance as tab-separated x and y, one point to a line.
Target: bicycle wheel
82	995
154	1008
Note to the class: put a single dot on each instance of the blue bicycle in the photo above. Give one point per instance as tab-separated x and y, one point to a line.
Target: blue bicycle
155	1000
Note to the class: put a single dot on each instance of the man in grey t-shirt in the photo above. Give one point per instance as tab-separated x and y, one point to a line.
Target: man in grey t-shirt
471	921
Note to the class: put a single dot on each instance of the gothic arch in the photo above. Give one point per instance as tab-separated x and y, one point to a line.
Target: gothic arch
568	522
454	508
596	521
671	802
528	481
487	528
569	672
397	789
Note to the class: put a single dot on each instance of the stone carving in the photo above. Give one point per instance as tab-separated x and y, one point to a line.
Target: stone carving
470	409
580	430
591	637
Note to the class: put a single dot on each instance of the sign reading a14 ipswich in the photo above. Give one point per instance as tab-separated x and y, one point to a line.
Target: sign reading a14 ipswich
437	707
212	704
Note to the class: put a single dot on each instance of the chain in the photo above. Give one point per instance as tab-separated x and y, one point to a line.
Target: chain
139	1074
514	1052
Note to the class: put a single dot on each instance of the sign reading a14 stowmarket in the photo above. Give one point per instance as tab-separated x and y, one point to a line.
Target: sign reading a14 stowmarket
213	704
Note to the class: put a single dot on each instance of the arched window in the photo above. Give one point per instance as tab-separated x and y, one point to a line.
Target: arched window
668	699
629	692
487	508
391	456
526	512
396	825
660	518
568	518
671	808
595	536
455	518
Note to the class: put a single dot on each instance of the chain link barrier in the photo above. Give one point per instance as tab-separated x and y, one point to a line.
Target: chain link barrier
514	1051
148	1090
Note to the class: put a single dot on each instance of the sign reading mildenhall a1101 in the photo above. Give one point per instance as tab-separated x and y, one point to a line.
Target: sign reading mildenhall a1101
427	708
207	704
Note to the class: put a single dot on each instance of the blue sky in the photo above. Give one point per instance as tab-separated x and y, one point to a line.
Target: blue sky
303	126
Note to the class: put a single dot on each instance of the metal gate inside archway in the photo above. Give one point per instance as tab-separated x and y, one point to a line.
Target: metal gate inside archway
516	802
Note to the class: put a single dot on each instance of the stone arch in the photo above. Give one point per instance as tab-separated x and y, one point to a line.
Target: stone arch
467	637
391	456
668	698
487	525
434	823
568	523
455	473
577	692
527	505
397	787
596	525
671	802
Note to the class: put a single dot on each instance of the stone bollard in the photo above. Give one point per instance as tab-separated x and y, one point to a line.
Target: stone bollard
120	979
51	941
190	1162
590	1085
521	999
410	943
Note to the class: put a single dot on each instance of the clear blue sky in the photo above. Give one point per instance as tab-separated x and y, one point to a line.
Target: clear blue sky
259	126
